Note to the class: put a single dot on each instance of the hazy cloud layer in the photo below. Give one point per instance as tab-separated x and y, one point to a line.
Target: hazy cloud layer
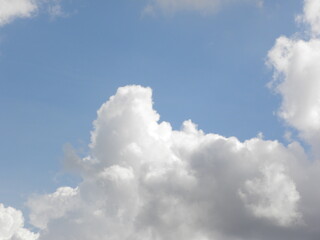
202	6
142	180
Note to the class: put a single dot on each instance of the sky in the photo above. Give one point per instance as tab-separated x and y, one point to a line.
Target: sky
159	119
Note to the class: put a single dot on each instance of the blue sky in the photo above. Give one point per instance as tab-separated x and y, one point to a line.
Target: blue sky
56	71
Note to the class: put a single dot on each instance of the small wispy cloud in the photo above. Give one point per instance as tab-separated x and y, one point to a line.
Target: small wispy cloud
11	10
202	6
55	9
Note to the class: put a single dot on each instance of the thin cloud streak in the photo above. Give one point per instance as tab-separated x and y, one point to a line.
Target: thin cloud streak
10	10
205	7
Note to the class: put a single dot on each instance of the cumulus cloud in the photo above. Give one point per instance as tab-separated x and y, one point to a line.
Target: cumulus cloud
144	180
297	77
203	6
12	9
12	225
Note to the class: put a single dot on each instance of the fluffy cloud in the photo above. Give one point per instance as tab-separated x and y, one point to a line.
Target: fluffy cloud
11	225
143	180
203	6
12	9
51	206
311	16
297	77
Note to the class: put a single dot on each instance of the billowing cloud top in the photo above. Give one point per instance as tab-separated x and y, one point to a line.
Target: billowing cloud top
142	180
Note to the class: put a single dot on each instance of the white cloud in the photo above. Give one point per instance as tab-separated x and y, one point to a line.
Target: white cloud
203	6
297	77
11	225
311	16
12	9
273	195
143	180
